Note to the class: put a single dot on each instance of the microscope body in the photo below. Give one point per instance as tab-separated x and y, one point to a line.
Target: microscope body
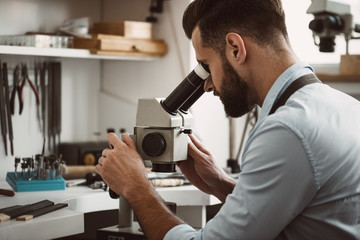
162	124
160	136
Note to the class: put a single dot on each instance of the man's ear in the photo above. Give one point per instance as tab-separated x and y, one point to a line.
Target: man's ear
235	47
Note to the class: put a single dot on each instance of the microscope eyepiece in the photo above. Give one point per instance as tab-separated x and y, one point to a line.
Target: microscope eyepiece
186	88
192	99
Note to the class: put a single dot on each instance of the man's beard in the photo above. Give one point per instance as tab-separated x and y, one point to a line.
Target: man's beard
234	92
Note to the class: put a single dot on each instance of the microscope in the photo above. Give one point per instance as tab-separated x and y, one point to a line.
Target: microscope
160	134
332	17
162	124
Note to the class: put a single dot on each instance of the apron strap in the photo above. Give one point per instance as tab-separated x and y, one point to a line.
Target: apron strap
296	85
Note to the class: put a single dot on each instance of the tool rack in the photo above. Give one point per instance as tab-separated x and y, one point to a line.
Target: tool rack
24	185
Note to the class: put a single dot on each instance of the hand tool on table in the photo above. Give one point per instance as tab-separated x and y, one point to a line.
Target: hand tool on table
7	215
41	212
25	75
7	192
16	89
8	112
5	210
77	171
2	110
90	178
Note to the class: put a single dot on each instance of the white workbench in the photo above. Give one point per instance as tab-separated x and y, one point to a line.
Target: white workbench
191	206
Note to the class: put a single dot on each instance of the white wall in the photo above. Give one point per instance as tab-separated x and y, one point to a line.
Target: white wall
123	83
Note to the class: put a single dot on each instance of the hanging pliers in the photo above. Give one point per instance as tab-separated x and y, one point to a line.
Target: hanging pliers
24	73
16	88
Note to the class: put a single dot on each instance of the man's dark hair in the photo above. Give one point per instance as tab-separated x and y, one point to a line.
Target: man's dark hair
260	20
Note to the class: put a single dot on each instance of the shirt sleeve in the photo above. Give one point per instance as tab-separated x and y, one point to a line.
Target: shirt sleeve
181	232
275	185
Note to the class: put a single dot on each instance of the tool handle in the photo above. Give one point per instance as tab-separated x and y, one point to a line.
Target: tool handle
20	90
6	192
12	101
77	172
35	91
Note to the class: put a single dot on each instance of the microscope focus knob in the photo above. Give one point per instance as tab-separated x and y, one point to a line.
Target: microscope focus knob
186	131
154	144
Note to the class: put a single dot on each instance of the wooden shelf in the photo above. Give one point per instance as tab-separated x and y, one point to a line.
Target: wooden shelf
338	78
67	53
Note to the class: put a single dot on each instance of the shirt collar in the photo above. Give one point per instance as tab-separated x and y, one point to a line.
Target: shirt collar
282	82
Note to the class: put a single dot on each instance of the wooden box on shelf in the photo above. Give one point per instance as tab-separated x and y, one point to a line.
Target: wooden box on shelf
121	46
129	29
349	70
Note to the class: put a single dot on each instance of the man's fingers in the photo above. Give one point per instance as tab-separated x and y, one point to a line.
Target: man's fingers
192	149
113	140
105	152
197	144
98	168
129	141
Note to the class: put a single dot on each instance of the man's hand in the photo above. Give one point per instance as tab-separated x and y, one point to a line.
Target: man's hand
121	167
202	171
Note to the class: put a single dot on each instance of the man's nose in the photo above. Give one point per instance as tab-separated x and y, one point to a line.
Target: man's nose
208	86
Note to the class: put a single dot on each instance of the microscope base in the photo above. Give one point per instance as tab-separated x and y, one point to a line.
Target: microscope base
116	233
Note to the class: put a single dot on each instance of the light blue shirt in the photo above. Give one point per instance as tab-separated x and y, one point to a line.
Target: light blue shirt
300	174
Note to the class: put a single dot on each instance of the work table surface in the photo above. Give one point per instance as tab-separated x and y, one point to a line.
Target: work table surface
80	200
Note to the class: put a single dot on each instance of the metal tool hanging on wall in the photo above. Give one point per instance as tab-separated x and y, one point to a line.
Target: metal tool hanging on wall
54	105
18	87
25	75
47	91
3	112
8	111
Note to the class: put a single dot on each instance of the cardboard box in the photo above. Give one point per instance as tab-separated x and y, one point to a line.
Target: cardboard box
129	29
